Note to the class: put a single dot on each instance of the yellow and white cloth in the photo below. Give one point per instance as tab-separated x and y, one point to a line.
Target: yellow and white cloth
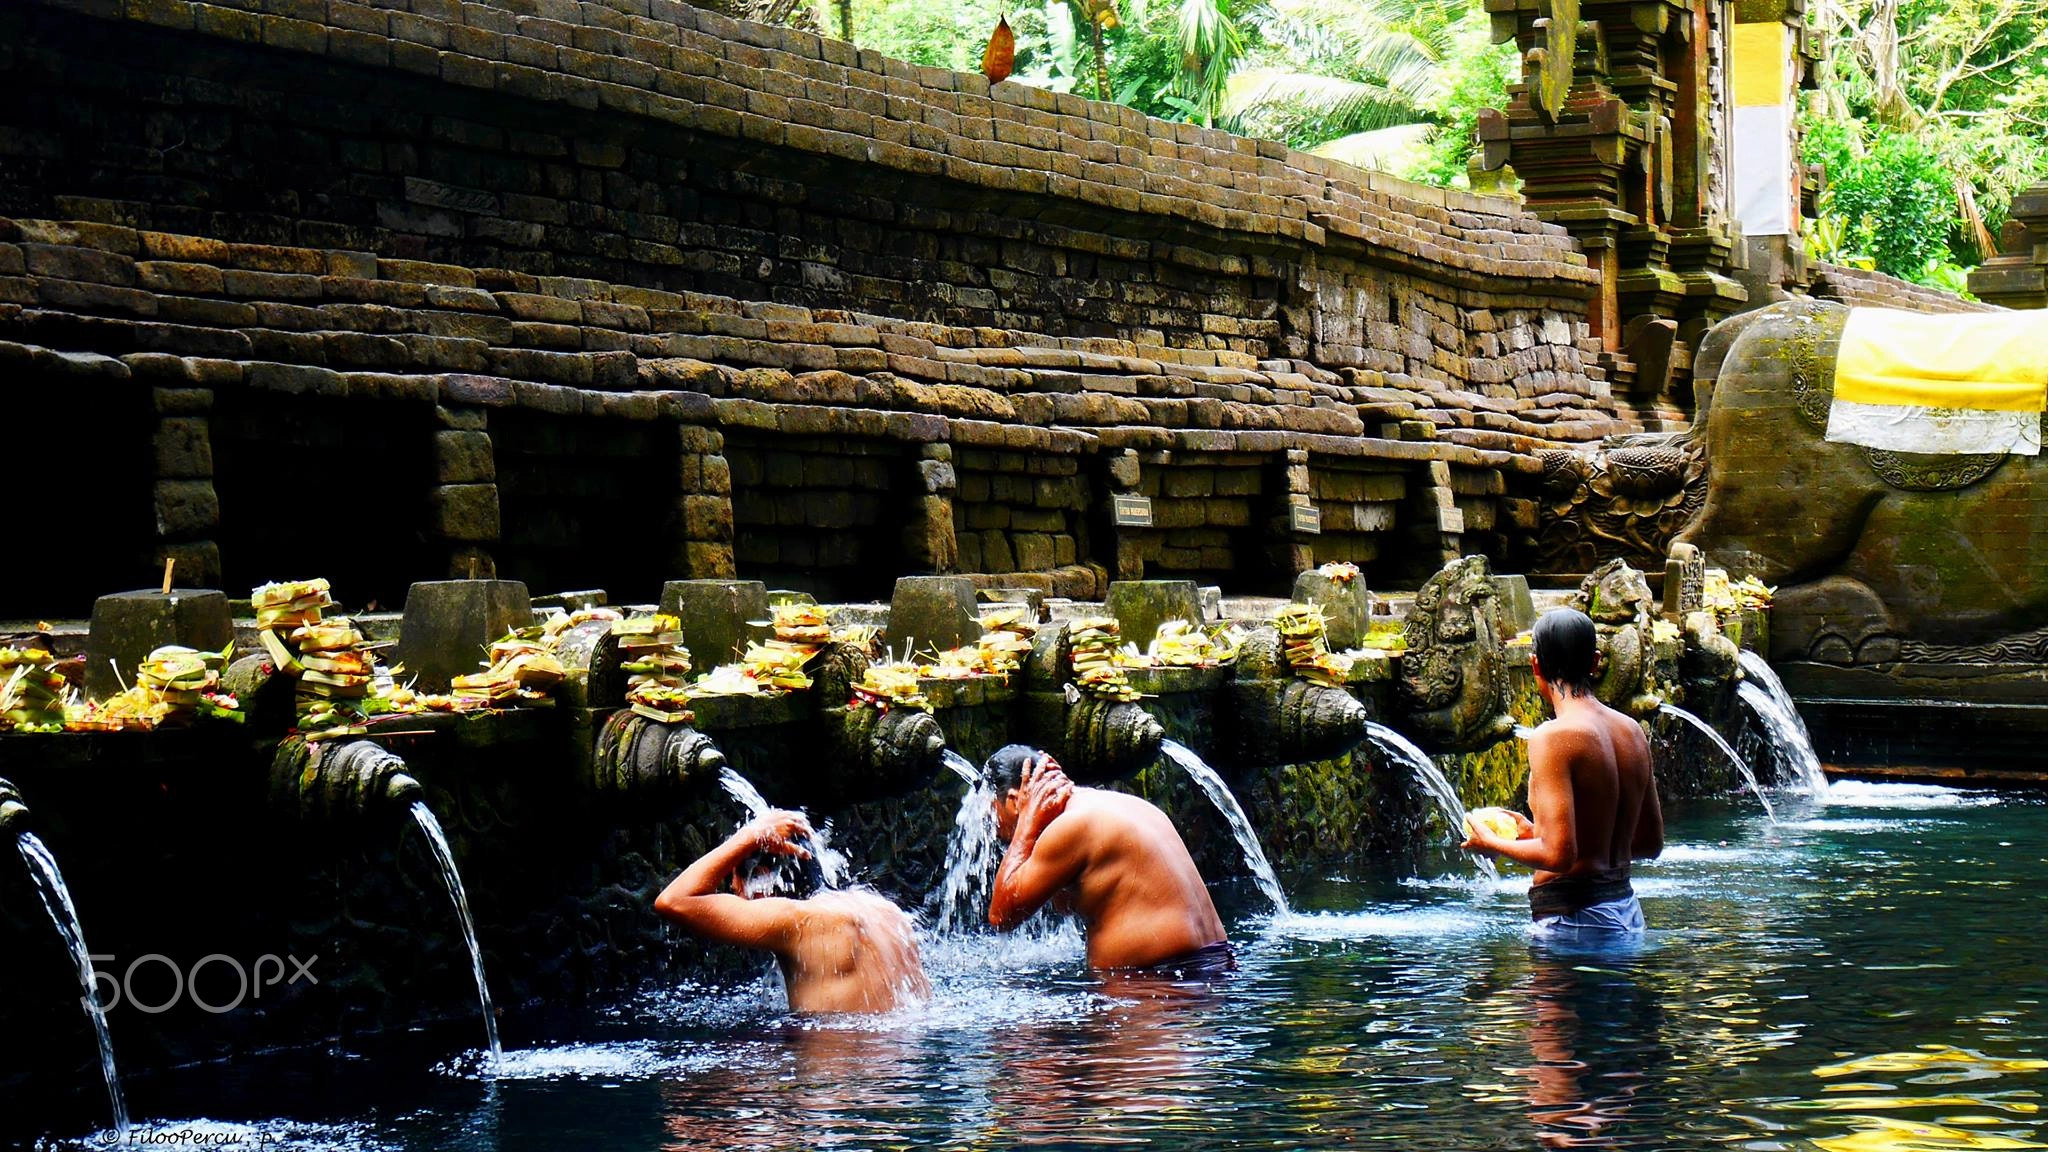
1941	382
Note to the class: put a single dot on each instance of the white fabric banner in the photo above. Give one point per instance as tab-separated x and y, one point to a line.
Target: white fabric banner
1763	170
1940	431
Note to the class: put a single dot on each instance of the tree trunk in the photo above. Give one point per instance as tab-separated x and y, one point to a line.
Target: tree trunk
1101	60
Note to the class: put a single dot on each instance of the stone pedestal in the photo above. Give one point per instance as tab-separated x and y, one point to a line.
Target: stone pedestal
127	626
716	616
1514	609
933	612
1141	606
449	624
1346	606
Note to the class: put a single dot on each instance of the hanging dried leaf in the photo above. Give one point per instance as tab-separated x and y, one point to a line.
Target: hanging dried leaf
1001	55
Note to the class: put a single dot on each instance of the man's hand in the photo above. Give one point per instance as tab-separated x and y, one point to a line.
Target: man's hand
1480	835
1046	792
778	832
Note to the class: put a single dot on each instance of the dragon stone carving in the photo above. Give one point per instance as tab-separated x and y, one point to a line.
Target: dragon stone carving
1624	502
1453	685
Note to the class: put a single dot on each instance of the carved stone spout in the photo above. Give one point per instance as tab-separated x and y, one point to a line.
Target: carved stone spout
1290	721
635	754
896	749
1095	738
1618	599
332	782
1106	739
1453	676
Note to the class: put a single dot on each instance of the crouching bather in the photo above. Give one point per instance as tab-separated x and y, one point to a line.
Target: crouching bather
839	950
1116	858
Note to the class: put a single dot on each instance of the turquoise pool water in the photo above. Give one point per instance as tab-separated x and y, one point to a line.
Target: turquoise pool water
1865	976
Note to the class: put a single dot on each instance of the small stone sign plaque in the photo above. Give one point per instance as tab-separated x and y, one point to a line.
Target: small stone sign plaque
1308	521
1132	511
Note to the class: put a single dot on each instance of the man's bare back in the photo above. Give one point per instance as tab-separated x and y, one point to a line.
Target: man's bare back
839	951
851	951
1117	858
1592	793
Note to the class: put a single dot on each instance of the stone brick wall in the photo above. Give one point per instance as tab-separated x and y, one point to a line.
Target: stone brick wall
562	281
1858	288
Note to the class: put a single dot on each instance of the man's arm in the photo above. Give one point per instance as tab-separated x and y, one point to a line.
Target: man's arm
696	901
1555	845
1649	838
1037	865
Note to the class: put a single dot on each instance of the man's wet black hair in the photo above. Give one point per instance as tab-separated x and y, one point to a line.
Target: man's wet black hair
1005	770
1566	648
771	874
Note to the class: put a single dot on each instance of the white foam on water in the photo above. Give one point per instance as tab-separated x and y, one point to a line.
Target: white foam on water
1054	943
628	1060
1866	794
1476	886
1392	924
1851	825
1701	854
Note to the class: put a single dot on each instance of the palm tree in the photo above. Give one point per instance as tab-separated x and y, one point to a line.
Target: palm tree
1324	72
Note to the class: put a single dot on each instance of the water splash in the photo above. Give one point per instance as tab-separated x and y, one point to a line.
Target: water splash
834	870
962	767
741	789
1434	784
452	880
1220	795
1741	765
971	853
56	899
1786	732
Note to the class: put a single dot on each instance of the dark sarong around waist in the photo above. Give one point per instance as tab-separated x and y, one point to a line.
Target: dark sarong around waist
1209	962
1575	894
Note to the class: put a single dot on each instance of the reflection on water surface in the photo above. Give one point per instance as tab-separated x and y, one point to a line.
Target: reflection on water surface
1864	978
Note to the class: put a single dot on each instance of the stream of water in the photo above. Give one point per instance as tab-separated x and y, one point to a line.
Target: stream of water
1848	980
972	852
1741	765
1219	794
1784	729
452	880
56	898
1434	784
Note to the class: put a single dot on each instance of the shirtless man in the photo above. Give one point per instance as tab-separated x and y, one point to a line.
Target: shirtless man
1590	789
840	951
1117	858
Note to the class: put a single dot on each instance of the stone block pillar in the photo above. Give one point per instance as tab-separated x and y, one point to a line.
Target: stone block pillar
1436	528
929	543
448	625
187	507
465	495
1291	550
128	626
703	548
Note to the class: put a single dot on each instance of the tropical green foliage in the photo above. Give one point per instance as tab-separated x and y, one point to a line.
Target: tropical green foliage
1930	114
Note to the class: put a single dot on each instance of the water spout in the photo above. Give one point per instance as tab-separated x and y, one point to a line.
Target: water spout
1765	695
971	852
833	868
742	789
962	767
57	902
1741	765
1220	795
1434	784
452	879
